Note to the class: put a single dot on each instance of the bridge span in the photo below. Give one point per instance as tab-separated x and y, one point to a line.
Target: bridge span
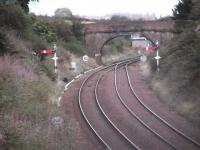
97	34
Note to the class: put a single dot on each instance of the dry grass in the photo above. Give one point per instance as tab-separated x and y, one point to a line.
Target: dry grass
29	89
19	70
27	109
171	92
146	70
116	56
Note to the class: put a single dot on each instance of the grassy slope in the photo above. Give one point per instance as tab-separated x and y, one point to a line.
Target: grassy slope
28	89
178	82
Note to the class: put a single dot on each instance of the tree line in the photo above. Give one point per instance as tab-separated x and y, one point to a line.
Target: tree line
22	3
187	10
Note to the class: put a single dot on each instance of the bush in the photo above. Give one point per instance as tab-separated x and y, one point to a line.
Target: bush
116	45
64	30
12	75
14	140
183	26
5	46
26	87
8	91
13	17
46	68
178	79
77	30
75	46
17	140
45	31
37	42
184	55
16	34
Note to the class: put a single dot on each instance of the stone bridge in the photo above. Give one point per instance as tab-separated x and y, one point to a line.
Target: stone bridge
98	34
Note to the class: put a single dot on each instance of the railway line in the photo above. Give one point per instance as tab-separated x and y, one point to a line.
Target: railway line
122	120
176	139
177	131
117	141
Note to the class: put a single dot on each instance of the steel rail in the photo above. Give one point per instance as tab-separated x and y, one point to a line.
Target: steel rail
156	115
138	118
81	108
106	116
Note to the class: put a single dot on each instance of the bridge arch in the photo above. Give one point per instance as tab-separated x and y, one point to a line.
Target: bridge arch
117	36
99	34
121	35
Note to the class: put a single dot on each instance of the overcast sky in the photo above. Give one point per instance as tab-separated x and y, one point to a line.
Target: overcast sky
104	7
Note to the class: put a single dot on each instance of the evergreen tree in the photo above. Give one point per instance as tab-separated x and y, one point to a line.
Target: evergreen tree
22	3
187	10
183	9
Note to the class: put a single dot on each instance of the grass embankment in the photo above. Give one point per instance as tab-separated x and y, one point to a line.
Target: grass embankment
27	108
178	82
29	88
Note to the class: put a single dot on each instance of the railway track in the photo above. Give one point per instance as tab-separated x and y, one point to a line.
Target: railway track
107	128
187	138
119	137
137	117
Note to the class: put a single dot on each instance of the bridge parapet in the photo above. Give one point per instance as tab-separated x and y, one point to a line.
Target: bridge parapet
157	26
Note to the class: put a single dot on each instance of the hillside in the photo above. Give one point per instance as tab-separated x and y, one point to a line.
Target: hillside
29	87
178	82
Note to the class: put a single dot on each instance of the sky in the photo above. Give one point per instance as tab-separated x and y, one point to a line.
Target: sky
100	8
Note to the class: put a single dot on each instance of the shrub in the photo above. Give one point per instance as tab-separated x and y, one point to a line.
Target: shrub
37	42
14	140
8	91
45	31
183	26
75	46
19	38
12	16
27	90
47	68
179	74
184	55
12	75
17	140
64	30
77	30
116	45
5	46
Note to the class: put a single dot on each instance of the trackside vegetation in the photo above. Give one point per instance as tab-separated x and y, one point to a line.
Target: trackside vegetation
29	88
178	83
